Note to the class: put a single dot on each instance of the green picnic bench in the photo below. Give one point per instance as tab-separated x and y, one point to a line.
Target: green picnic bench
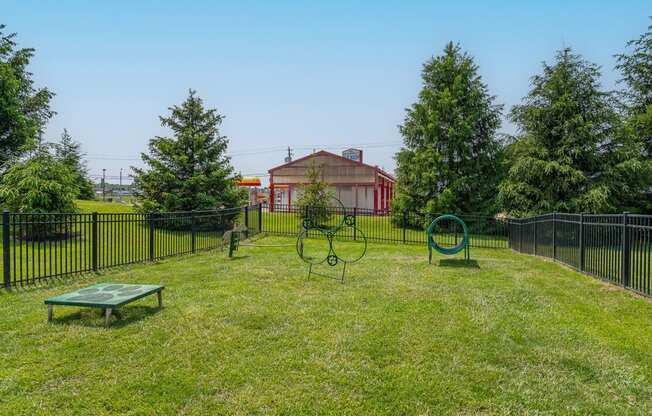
108	296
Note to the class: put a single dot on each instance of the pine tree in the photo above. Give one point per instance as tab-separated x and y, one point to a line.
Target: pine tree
636	70
24	110
449	159
568	156
68	152
190	170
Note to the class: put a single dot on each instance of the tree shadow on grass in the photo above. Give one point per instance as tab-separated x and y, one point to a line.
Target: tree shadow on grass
460	263
94	317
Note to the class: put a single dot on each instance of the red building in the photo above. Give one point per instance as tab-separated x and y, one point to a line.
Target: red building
353	182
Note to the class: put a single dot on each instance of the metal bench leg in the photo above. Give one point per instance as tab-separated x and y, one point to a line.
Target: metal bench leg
107	316
50	310
160	298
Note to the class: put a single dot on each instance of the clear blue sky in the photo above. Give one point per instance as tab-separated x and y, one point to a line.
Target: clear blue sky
288	73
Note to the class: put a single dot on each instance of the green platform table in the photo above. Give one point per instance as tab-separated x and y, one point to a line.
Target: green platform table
108	296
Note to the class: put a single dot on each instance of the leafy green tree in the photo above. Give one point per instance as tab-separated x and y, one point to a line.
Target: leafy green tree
569	156
24	109
449	159
68	152
315	198
39	184
190	170
636	70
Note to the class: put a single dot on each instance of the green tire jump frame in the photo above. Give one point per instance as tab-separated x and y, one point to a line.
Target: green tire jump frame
449	251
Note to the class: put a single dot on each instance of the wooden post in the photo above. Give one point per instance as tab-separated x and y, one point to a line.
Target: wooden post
50	312
160	298
6	257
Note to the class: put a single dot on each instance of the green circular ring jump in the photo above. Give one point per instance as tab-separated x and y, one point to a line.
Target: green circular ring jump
462	245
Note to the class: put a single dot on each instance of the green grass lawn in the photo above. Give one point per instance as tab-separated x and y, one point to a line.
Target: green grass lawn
103	207
255	335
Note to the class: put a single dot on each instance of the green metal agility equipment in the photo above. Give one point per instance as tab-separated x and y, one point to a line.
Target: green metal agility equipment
462	245
108	296
234	239
328	254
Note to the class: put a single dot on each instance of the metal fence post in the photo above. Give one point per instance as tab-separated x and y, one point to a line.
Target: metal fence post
151	218
94	240
554	236
193	233
355	223
246	210
626	251
581	242
520	236
535	235
260	217
404	225
5	250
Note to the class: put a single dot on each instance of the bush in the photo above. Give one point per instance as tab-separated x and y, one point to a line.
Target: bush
39	185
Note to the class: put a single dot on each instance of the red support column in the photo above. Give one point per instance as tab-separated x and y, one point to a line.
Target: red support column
271	192
382	195
375	198
387	187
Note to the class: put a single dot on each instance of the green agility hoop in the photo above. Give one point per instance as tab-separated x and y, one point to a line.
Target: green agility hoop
329	233
449	251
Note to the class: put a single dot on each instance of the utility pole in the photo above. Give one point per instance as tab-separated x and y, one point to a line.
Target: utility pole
103	184
288	158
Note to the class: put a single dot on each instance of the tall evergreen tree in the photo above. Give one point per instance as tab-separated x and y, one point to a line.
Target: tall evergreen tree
448	161
68	152
24	109
190	170
636	70
568	156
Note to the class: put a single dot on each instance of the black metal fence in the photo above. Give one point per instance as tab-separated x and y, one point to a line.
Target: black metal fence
616	248
403	227
37	247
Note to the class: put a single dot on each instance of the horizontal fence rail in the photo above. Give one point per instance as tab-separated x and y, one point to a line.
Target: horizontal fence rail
614	247
37	247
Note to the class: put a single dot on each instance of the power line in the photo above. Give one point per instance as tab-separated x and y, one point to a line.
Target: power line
259	151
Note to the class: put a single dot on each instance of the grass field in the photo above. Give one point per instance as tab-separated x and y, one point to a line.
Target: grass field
103	207
512	334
